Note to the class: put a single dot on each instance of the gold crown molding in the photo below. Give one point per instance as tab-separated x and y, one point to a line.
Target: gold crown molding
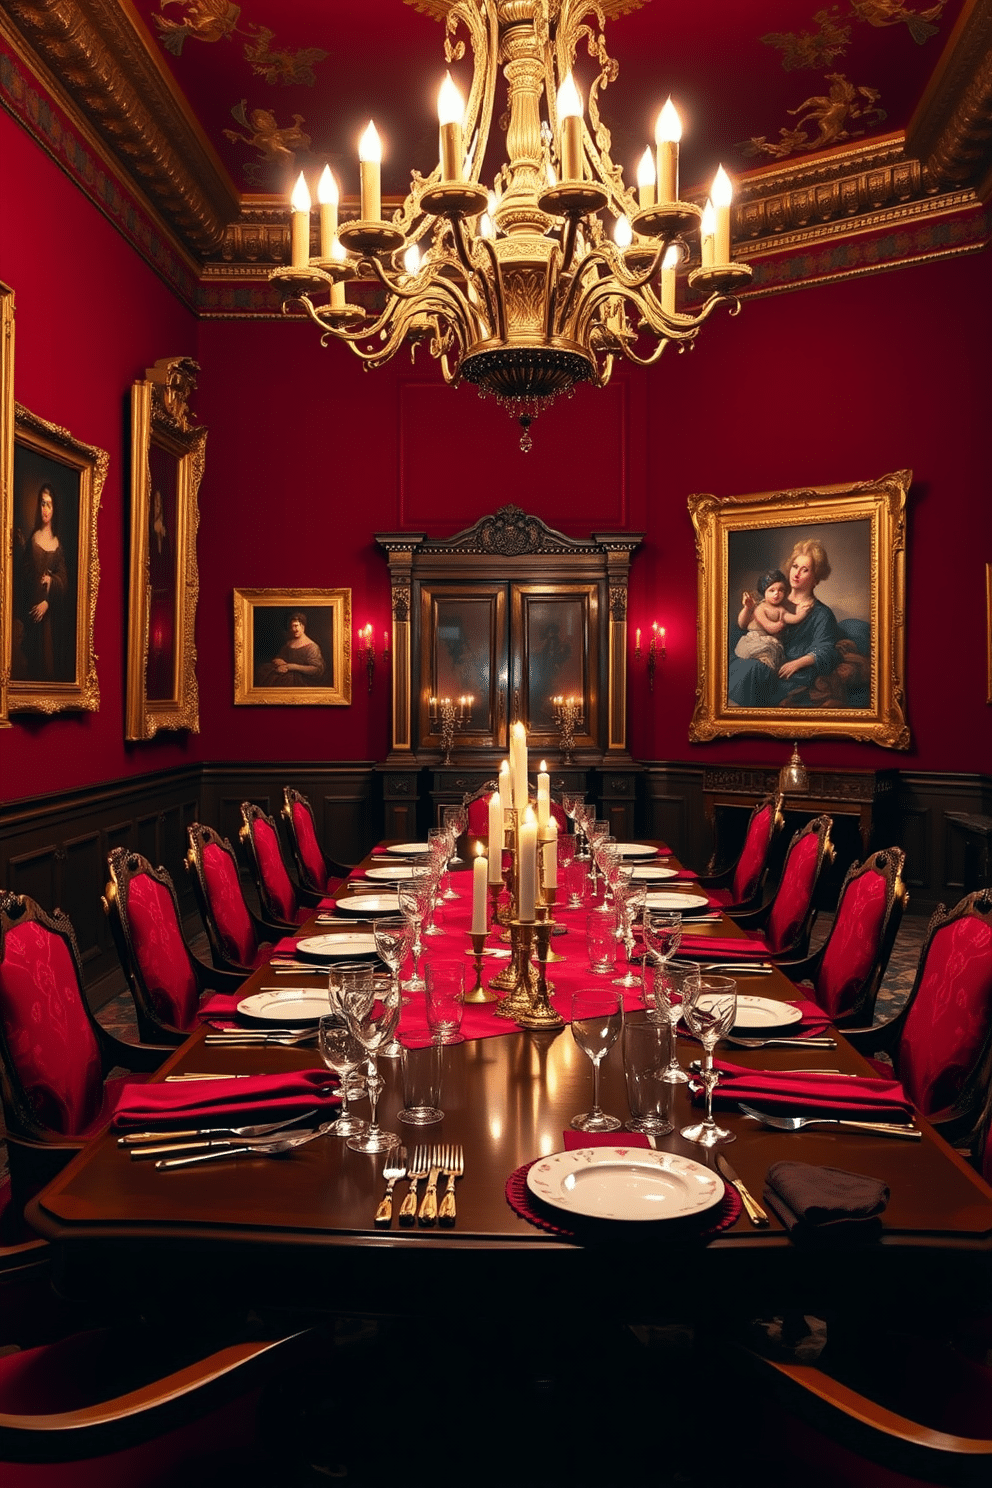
438	9
962	154
813	235
101	65
950	129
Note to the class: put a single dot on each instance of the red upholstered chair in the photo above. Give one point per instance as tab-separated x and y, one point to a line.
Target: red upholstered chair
318	874
282	904
940	1042
237	937
783	925
54	1055
739	886
122	1408
847	971
165	979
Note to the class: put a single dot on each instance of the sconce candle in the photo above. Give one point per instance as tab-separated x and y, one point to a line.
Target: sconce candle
370	157
667	133
451	117
495	838
721	195
327	196
479	879
300	224
570	130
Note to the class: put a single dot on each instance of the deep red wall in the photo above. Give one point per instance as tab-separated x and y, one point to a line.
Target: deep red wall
90	317
310	455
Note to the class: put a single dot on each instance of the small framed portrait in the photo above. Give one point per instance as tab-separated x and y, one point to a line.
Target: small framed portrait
801	613
292	646
167	456
56	488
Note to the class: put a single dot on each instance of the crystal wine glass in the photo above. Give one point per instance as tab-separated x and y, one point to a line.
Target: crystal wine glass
456	817
709	1006
427	879
585	814
393	939
662	934
630	901
596	831
342	1053
442	844
412	903
374	1028
597	1017
663	999
570	803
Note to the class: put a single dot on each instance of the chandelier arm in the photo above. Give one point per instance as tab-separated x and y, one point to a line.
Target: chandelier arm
568	247
575	287
554	277
499	318
483	33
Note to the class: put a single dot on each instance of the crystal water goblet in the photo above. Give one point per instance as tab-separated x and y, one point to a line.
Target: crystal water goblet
442	844
427	879
412	904
596	831
570	802
456	817
662	934
663	999
393	937
585	814
342	1053
709	1007
630	901
374	1028
597	1018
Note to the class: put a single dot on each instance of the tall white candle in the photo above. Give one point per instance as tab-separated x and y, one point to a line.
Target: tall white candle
570	130
370	155
300	224
518	759
667	133
707	230
645	180
527	866
543	799
505	786
328	196
495	838
668	282
550	850
721	195
451	117
479	880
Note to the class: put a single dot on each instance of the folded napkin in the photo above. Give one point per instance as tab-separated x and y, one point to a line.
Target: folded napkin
853	1096
222	1006
721	948
256	1097
826	1204
286	946
573	1140
684	875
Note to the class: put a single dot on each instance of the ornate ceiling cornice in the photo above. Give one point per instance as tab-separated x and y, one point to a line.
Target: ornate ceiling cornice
952	129
95	54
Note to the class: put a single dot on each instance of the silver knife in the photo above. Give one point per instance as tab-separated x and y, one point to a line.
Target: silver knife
755	1213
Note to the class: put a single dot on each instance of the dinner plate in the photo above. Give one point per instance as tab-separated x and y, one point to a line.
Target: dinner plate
289	1007
626	1183
409	849
686	903
655	871
392	873
367	905
635	850
335	947
765	1012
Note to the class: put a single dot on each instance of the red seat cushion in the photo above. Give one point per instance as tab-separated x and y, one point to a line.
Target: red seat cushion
751	863
309	849
272	871
792	901
227	905
947	1026
51	1043
161	952
854	944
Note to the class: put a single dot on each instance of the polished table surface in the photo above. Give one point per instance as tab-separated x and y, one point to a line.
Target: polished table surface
274	1225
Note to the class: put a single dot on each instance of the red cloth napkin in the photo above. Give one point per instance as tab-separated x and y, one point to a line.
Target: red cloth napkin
576	1139
222	1005
721	948
265	1097
801	1095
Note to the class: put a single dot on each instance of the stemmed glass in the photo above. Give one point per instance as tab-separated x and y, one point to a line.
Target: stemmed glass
597	1017
611	866
662	934
343	1054
667	980
393	939
584	816
427	879
413	903
442	844
630	901
374	1027
596	831
456	817
570	803
709	1006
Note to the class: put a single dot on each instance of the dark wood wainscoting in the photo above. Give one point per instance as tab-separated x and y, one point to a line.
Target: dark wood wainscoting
55	847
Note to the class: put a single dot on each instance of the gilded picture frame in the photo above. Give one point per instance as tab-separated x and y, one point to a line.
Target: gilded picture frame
6	490
167	460
828	664
55	567
281	659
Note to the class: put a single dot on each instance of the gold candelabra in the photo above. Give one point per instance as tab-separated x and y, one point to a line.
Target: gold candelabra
452	714
656	648
567	714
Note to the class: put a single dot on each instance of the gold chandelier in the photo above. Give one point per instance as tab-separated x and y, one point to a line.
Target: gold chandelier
524	290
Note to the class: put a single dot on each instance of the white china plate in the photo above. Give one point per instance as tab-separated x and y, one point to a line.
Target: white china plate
649	870
668	900
626	1183
365	905
335	947
409	849
635	850
393	873
287	1006
765	1012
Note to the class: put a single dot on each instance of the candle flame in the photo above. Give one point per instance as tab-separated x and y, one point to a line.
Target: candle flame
411	259
623	234
722	191
370	146
300	198
327	188
708	226
569	99
645	170
672	256
450	103
668	125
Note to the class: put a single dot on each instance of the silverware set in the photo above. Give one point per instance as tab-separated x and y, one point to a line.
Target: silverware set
239	1038
796	1123
430	1163
180	1148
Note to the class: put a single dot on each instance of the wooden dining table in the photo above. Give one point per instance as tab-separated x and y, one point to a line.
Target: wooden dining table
276	1230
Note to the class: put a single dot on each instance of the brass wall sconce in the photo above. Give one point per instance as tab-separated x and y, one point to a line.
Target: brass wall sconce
793	778
452	714
656	648
567	714
366	650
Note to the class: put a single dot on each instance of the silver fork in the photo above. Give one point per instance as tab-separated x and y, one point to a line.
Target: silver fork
453	1167
818	1041
417	1170
427	1213
796	1123
393	1169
